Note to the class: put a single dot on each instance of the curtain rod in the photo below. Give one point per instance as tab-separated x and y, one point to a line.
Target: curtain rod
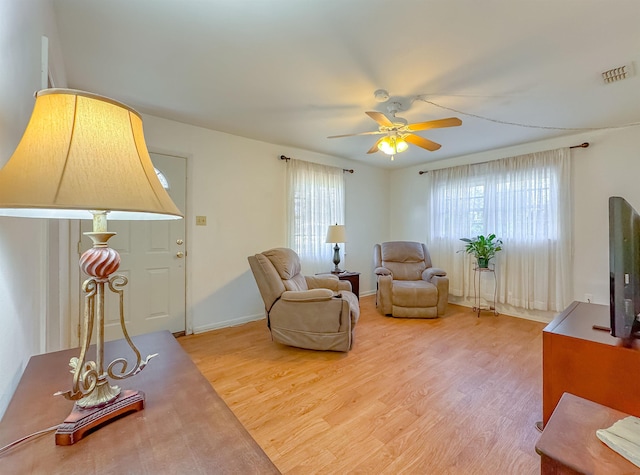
582	145
286	159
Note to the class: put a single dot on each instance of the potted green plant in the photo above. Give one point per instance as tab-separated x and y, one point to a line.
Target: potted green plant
483	248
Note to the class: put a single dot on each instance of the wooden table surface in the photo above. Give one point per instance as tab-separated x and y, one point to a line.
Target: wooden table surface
569	443
185	428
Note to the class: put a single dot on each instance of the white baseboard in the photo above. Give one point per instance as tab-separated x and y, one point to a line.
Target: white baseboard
229	323
504	309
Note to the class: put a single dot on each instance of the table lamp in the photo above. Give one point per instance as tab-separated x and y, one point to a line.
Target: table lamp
83	156
336	234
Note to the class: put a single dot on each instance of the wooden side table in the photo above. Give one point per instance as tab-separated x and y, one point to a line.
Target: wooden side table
354	278
569	445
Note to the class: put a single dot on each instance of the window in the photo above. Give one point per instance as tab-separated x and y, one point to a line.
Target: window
315	201
532	195
526	202
163	179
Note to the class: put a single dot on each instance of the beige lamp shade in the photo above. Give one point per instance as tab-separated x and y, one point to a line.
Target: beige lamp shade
82	152
336	233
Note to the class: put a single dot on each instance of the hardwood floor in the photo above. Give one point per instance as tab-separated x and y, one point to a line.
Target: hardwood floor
455	395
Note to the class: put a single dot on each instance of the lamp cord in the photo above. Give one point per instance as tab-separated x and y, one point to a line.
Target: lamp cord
26	437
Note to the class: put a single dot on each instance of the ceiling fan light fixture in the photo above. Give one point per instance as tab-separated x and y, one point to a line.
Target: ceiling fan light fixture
401	145
392	145
397	132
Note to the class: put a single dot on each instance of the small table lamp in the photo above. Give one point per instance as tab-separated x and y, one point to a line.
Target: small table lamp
336	234
83	156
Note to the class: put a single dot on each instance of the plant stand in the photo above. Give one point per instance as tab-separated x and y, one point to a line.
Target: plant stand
477	289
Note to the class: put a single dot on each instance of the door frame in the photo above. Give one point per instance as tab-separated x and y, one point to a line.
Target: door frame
63	315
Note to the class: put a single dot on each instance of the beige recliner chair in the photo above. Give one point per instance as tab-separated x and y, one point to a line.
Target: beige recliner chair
313	312
408	285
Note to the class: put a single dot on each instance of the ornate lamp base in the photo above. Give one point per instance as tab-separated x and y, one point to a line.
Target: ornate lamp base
336	260
97	403
82	422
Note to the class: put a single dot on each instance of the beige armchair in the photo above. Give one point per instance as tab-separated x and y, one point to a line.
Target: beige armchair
408	285
313	312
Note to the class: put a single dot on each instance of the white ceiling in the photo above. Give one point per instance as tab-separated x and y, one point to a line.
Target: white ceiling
292	72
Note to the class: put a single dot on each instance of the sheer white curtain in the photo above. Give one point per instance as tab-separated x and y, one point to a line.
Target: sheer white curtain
525	201
315	201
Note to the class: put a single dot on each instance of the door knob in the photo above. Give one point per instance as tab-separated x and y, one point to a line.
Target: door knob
179	254
179	242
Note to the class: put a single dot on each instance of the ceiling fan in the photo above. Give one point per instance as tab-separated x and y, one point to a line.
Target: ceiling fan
397	132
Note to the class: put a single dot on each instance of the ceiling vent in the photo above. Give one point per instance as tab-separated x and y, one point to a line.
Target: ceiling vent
618	74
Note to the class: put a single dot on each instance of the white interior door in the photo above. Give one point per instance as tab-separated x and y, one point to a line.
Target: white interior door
152	258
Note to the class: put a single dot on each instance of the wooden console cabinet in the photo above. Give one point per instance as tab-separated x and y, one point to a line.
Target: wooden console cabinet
589	363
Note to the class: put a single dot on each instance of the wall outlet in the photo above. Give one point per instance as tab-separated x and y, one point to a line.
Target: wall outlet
201	220
588	298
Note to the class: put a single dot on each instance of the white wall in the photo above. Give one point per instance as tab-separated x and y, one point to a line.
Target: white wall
23	242
239	185
610	166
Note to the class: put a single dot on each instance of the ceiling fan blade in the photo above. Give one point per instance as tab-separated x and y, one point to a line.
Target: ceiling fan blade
380	118
422	142
435	124
374	149
377	132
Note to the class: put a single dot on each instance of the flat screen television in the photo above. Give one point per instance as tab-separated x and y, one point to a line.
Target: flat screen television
624	269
